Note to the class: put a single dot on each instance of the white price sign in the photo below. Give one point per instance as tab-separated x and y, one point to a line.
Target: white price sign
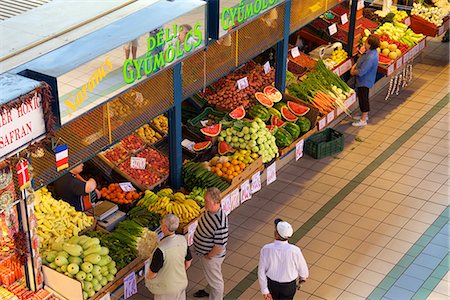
127	186
256	182
271	173
441	30
337	71
346	66
299	149
137	163
407	21
330	117
242	83
391	69
344	18
226	204
234	199
399	63
190	233
266	67
332	29
129	286
339	111
107	296
295	52
246	193
352	99
322	123
360	5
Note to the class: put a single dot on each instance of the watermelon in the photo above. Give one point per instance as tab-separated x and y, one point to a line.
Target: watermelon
293	129
238	113
276	121
263	99
272	128
297	109
273	93
201	146
212	130
304	123
384	60
287	115
279	105
274	112
283	138
224	148
259	111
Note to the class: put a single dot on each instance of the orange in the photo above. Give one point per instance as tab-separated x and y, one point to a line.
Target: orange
219	172
235	174
229	172
237	168
227	164
234	162
242	165
213	169
219	166
230	177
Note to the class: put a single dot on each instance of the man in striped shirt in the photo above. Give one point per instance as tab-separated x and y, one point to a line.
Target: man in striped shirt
210	240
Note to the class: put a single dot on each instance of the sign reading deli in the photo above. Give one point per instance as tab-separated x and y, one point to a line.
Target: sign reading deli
242	11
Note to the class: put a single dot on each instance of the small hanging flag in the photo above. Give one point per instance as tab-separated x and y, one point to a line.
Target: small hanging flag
62	157
23	174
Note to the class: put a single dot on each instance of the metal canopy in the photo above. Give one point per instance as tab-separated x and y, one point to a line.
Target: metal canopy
13	86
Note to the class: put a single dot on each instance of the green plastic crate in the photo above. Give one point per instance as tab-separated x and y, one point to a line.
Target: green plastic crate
324	143
194	123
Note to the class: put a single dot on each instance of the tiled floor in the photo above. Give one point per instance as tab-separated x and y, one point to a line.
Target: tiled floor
372	221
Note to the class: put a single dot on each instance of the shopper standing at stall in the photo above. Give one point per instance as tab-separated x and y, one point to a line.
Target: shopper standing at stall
365	71
210	240
280	265
167	278
73	189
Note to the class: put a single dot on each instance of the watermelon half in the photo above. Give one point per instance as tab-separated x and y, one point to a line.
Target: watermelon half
238	113
272	128
201	146
224	148
273	94
274	120
297	109
212	130
263	99
287	115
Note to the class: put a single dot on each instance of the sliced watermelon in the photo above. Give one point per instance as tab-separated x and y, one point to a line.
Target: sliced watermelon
273	93
384	60
272	128
238	113
287	115
297	109
274	120
224	148
212	130
201	146
263	99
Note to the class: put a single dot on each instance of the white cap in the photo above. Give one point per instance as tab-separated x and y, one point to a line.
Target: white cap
284	229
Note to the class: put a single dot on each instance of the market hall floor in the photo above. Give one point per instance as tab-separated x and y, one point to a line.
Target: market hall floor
372	221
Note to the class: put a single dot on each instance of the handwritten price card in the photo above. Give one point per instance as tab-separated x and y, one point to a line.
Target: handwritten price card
295	52
352	99
332	29
330	117
360	5
242	83
235	199
391	69
271	173
190	233
226	204
137	163
344	18
266	67
107	296
322	123
127	186
129	286
339	111
256	182
299	149
245	191
399	63
407	21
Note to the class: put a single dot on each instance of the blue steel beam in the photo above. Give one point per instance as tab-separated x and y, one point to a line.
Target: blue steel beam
282	50
175	130
212	19
352	25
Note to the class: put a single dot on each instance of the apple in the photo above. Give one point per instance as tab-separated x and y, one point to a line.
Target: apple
87	267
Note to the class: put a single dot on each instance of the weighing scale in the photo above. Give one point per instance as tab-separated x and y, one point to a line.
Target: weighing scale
107	214
325	51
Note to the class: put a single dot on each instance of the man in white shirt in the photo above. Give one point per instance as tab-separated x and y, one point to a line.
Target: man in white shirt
280	264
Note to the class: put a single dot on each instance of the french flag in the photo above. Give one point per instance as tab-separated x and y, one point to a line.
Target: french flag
62	157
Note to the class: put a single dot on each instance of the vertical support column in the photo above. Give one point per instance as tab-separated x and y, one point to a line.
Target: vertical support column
352	25
213	20
282	50
175	149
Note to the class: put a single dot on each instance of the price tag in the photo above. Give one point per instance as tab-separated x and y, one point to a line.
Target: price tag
352	99
330	117
406	57
234	199
226	204
346	66
332	29
399	63
391	69
127	186
266	67
245	191
271	173
337	71
344	18
146	267
441	30
129	286
295	52
137	163
204	122
322	123
422	44
256	182
242	83
407	21
299	149
360	5
107	296
190	233
339	111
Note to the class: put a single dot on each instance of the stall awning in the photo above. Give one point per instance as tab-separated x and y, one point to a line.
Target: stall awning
13	86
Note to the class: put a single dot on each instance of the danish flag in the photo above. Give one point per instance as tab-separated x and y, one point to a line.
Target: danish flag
23	174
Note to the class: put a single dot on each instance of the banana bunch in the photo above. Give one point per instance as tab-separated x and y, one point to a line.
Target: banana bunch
198	195
148	200
57	218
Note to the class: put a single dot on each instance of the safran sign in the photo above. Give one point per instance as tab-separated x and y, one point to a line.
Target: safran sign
21	125
243	11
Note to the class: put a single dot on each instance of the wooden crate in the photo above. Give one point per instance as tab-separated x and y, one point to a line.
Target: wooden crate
420	25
